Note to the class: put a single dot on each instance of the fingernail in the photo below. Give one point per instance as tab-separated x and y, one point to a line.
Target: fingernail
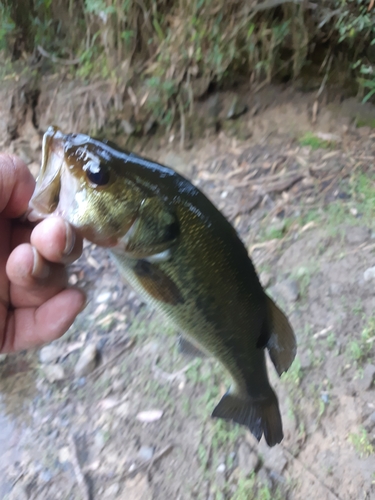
70	239
40	269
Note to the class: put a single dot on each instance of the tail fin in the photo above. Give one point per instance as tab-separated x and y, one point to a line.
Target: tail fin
261	417
282	344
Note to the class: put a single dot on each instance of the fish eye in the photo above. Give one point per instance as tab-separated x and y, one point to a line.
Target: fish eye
97	173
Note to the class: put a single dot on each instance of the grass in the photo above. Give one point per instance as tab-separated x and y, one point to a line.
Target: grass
294	375
358	210
250	489
361	442
314	142
360	349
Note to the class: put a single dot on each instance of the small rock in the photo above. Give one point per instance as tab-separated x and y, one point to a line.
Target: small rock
45	476
273	458
149	416
221	476
265	279
221	468
99	441
368	379
200	86
127	127
103	297
371	420
287	289
64	455
305	360
336	289
248	459
2	357
36	142
49	354
87	361
150	126
145	453
112	491
236	108
357	234
369	274
213	107
54	373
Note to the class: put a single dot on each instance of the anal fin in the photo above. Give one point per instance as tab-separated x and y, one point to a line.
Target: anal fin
281	345
189	349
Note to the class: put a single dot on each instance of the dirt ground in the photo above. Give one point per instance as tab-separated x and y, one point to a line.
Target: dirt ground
134	422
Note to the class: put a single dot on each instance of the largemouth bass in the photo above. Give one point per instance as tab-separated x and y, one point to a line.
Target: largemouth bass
181	254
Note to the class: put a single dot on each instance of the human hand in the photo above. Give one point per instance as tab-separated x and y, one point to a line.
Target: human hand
35	304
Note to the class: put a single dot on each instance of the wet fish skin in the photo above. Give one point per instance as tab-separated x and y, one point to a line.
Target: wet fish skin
181	254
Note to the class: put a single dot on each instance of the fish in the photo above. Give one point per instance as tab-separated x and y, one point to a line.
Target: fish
180	253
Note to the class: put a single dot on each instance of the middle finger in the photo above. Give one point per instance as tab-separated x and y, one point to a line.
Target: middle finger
33	280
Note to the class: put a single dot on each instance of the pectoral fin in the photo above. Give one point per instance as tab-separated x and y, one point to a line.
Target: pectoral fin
281	344
189	349
157	283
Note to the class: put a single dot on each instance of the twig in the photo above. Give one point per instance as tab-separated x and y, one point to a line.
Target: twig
102	367
159	455
77	470
149	463
170	377
67	62
270	4
322	333
182	126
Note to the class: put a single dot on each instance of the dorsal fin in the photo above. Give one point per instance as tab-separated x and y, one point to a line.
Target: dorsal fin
282	344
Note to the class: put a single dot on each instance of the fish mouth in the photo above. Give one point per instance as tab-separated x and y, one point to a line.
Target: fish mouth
45	199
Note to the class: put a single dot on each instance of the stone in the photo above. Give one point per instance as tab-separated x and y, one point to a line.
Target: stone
368	379
236	108
356	235
127	127
369	274
265	279
49	354
103	297
112	491
248	459
64	455
336	289
150	126
87	361
54	373
145	453
274	459
287	289
221	475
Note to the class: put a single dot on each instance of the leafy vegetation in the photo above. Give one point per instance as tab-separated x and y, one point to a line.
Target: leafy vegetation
360	349
362	443
313	141
177	49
